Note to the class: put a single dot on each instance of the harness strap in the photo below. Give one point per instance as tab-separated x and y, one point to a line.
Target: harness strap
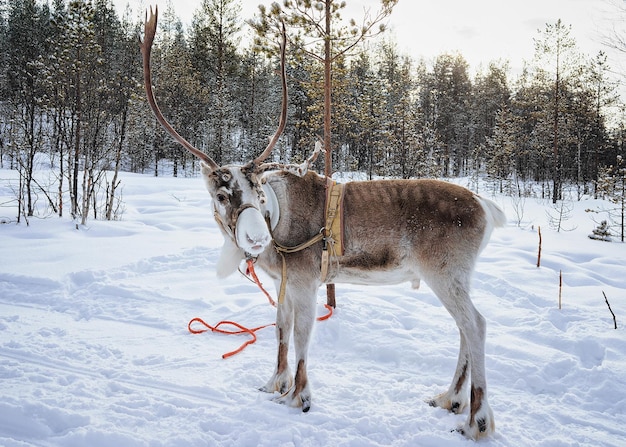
331	235
225	228
228	229
325	264
333	230
334	227
281	250
314	240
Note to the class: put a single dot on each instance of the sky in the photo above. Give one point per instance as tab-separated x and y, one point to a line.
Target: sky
481	30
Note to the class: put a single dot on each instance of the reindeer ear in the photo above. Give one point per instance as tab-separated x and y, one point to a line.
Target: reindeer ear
205	169
229	260
207	174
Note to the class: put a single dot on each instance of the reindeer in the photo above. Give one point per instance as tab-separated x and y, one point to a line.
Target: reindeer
394	231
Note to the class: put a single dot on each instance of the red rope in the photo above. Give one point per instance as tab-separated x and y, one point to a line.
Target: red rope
250	271
328	314
243	329
216	328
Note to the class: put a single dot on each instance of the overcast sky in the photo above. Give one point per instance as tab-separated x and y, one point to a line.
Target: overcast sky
481	30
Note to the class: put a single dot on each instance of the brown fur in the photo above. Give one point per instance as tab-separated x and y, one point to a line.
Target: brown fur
459	383
387	223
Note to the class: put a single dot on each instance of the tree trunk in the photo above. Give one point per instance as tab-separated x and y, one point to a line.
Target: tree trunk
556	192
328	159
118	160
74	191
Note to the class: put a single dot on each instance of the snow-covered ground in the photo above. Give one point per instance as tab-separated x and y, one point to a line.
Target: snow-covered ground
94	347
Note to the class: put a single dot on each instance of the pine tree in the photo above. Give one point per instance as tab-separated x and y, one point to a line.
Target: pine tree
445	99
365	113
305	119
558	66
73	68
612	185
600	93
26	43
123	88
256	92
490	95
321	35
213	42
88	74
501	148
601	232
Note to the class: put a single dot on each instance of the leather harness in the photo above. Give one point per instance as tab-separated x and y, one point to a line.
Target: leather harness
333	229
331	235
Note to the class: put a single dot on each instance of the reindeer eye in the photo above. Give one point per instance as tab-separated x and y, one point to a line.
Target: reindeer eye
221	198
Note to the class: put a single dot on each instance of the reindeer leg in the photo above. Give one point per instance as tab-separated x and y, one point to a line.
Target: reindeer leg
282	379
456	398
454	294
480	422
304	317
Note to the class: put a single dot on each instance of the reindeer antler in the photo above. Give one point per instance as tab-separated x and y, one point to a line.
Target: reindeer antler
146	48
283	114
299	170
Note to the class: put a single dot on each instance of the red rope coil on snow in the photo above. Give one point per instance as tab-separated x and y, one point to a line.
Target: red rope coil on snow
240	329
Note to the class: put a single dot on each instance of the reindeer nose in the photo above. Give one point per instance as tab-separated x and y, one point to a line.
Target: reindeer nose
251	232
258	240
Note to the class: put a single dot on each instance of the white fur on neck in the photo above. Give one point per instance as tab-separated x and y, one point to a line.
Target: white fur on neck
230	258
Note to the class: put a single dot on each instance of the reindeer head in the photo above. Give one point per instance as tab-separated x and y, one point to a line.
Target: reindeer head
239	198
240	205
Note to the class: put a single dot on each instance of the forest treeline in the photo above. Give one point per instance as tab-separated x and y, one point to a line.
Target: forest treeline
71	88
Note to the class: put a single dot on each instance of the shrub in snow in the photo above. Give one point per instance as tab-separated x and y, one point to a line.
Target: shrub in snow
601	232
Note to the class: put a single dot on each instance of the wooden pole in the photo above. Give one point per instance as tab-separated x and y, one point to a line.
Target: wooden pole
328	169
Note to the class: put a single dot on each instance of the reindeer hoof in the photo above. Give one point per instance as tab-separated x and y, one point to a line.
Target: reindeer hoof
290	399
306	405
281	383
480	431
282	389
455	404
481	427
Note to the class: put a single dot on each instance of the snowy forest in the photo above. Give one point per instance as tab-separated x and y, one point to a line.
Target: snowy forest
71	93
109	246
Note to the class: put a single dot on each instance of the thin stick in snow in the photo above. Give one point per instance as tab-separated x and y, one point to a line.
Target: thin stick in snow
610	310
539	251
560	287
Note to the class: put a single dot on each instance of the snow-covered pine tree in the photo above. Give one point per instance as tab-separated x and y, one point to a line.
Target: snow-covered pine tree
213	45
601	232
611	185
501	148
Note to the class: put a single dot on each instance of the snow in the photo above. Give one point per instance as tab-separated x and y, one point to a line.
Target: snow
94	347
